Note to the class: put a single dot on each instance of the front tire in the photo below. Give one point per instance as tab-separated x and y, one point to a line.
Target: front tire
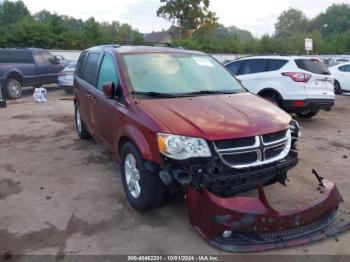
308	114
14	89
337	88
82	132
143	188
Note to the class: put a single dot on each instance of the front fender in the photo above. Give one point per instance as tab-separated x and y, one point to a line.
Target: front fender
142	140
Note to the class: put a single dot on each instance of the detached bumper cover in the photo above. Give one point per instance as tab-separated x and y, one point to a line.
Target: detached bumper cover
256	226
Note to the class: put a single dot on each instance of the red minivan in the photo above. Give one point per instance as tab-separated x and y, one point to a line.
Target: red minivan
174	117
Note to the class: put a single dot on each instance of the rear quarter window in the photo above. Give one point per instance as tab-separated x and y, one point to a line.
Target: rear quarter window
15	56
313	66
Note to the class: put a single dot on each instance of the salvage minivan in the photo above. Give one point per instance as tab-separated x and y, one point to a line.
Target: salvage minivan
176	117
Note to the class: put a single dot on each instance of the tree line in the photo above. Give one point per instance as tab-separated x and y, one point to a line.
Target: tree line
18	28
330	30
194	27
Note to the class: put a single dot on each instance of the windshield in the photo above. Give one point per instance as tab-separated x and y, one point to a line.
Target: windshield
178	74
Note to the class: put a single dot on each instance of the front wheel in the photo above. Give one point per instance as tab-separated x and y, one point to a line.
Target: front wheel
143	188
14	89
308	113
337	88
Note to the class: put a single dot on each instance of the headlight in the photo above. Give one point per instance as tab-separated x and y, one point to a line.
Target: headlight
294	128
182	147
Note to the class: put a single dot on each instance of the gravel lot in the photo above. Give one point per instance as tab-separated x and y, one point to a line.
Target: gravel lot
60	195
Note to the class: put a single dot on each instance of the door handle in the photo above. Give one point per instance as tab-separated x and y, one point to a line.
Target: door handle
93	99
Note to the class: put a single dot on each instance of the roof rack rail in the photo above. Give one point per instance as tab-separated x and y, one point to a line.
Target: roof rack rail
140	43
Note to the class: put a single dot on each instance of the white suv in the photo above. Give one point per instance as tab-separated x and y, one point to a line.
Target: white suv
300	85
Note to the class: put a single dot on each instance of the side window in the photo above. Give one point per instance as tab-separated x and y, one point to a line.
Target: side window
345	68
80	64
108	72
48	57
9	56
43	58
233	67
91	68
275	64
254	66
39	57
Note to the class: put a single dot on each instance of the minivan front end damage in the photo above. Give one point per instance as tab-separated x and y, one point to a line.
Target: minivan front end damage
245	224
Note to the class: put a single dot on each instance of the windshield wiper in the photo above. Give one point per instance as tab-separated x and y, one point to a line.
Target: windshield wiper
209	92
154	94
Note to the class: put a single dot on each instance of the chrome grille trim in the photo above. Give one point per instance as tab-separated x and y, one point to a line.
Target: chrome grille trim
260	148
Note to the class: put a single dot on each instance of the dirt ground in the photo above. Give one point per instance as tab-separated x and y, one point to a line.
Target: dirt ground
60	195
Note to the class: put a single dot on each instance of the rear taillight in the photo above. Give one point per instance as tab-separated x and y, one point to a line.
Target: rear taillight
298	77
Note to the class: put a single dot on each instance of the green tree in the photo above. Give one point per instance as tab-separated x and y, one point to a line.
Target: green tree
335	20
189	15
290	22
11	12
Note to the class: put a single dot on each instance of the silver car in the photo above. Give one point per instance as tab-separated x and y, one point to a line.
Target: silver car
66	78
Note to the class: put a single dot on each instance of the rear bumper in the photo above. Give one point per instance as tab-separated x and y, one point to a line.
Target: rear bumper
295	106
255	226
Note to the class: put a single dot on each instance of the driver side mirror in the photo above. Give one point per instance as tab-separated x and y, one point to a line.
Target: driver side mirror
109	90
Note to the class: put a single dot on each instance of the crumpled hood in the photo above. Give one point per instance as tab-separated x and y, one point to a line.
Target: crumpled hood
216	117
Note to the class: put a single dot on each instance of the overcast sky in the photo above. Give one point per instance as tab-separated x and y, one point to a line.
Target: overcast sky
257	16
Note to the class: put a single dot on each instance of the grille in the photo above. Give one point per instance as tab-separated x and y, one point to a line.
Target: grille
243	158
234	143
274	151
254	151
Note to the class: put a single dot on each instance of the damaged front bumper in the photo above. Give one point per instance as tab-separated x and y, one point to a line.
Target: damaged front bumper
244	224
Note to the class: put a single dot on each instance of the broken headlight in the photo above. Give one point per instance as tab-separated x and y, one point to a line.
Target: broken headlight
182	147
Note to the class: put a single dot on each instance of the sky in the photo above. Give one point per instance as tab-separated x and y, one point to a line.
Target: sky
257	16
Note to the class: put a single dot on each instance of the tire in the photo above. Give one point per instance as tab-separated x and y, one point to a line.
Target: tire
337	88
14	89
143	188
82	132
68	90
308	114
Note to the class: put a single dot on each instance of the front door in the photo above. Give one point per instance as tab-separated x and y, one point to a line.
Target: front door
106	112
47	69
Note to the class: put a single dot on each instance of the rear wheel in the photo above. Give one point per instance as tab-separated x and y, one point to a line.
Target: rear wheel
82	132
337	88
144	189
308	113
14	89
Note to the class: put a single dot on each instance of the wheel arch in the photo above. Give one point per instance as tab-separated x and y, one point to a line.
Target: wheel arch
137	138
15	75
269	90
